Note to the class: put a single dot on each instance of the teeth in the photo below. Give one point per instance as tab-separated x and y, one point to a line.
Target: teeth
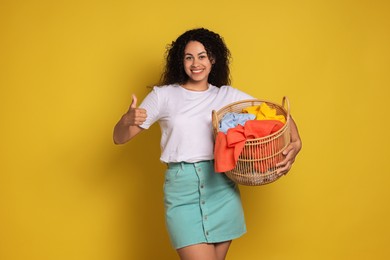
196	71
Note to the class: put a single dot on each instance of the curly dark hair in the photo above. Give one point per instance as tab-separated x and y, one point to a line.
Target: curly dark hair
216	49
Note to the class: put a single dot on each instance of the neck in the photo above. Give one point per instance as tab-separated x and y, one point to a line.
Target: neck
196	86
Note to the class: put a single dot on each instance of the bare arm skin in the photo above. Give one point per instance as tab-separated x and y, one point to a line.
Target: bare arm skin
291	150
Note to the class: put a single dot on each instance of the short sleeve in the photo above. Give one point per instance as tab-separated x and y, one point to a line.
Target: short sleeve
240	95
152	107
228	94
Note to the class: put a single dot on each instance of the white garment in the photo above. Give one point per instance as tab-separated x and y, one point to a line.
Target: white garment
185	119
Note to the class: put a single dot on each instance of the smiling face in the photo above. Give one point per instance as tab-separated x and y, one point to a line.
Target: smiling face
197	65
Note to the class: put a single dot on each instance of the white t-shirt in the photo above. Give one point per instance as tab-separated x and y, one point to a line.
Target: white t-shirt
185	119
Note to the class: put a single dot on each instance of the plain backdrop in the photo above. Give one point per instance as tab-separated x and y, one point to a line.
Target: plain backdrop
67	72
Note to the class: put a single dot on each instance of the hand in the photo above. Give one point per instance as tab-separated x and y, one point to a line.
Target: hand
290	153
134	116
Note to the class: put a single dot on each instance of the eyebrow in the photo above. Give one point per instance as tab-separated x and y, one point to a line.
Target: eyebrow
203	52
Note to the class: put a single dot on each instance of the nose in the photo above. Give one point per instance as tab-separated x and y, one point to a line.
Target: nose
195	62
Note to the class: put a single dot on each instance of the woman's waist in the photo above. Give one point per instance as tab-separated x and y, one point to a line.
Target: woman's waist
173	165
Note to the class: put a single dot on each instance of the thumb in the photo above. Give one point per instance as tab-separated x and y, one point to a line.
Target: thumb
134	102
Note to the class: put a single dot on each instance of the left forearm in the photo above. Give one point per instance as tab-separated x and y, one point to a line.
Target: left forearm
295	138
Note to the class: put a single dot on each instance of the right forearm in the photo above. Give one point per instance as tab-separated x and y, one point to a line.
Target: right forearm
121	133
124	132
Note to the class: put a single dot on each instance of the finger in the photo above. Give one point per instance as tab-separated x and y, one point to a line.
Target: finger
134	102
286	158
289	158
282	163
139	121
288	149
141	111
285	169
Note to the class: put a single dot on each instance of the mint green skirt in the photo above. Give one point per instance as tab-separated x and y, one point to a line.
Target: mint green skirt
201	206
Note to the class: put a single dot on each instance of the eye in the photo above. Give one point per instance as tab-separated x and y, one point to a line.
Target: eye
202	57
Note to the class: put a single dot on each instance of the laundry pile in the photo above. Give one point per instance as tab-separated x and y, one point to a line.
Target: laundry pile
236	128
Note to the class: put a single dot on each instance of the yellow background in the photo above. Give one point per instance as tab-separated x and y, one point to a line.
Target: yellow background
67	72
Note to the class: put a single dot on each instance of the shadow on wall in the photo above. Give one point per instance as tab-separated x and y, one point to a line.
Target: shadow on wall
141	222
140	175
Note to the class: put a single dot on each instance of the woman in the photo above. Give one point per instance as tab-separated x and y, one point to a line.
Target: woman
203	208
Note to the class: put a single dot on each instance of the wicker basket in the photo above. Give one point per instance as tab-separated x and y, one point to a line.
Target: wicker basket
256	164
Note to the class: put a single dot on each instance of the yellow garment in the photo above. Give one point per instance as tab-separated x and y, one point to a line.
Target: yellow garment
264	112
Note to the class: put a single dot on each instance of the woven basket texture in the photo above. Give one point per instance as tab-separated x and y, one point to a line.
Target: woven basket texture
256	164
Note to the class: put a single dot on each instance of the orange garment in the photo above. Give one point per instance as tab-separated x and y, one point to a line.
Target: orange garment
228	146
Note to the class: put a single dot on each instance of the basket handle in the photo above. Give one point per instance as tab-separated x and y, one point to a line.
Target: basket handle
215	122
286	105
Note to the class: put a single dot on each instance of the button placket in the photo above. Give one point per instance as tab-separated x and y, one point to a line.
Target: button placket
203	202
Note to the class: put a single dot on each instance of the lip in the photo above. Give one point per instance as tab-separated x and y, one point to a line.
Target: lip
196	71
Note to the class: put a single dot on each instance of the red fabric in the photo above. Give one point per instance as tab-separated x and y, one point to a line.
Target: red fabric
228	146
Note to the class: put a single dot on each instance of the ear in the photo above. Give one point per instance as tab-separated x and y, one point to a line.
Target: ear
212	60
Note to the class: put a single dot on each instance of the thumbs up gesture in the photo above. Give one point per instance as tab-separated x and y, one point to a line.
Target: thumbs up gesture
134	116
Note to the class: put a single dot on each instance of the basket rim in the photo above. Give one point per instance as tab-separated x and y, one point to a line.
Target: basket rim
281	130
